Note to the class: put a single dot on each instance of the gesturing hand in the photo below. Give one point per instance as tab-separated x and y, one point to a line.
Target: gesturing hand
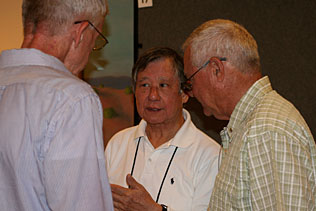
133	198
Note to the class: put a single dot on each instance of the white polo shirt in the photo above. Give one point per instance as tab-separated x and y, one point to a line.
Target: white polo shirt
190	179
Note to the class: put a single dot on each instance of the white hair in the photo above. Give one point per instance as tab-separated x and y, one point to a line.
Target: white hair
224	38
59	14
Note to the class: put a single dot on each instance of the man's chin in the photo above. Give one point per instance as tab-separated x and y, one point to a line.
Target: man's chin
207	112
221	117
217	116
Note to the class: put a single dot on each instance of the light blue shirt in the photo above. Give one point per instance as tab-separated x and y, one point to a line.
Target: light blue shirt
51	147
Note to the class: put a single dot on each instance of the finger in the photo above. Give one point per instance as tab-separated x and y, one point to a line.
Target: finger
119	201
117	206
132	183
116	197
119	190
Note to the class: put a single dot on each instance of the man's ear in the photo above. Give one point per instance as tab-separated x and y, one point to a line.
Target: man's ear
217	69
78	32
184	96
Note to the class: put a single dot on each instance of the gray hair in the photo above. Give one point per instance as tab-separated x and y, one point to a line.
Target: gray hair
155	54
60	14
224	38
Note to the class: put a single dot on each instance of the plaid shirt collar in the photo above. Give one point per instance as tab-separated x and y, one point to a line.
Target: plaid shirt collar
244	107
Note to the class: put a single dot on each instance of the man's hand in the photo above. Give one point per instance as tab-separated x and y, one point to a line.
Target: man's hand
133	198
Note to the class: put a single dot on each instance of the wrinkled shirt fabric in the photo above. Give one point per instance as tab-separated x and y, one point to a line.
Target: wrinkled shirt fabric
269	156
51	147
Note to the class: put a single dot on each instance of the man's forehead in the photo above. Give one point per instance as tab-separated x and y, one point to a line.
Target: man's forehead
159	74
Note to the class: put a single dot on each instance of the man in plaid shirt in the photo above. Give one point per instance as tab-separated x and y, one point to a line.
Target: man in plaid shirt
269	154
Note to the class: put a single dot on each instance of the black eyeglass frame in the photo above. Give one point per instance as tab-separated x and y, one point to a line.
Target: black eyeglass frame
103	37
187	86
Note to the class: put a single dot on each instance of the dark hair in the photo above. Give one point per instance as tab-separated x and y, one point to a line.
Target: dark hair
154	54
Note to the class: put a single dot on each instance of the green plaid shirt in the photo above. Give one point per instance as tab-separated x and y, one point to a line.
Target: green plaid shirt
268	156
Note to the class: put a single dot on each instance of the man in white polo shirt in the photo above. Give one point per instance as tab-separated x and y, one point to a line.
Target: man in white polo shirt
173	164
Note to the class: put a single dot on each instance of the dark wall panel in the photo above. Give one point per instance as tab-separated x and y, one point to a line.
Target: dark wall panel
284	29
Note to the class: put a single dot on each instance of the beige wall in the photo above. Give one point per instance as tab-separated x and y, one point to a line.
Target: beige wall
10	24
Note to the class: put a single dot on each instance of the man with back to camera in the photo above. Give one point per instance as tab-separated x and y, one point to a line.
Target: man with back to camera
269	155
51	147
165	162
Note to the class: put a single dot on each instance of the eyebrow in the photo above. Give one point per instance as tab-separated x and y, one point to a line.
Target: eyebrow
142	79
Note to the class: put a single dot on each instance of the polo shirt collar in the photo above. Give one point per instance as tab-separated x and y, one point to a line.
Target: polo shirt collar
183	138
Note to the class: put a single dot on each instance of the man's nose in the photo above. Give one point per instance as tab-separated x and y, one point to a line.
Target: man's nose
154	93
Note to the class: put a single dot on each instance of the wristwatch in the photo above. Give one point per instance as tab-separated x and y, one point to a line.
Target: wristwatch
164	207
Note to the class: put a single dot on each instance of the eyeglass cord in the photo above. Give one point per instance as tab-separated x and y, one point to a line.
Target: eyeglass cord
135	156
163	180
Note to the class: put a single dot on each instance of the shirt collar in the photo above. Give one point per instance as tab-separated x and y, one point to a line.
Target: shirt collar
30	56
183	138
244	107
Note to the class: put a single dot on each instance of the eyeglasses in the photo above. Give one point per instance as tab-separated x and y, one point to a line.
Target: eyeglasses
187	86
101	41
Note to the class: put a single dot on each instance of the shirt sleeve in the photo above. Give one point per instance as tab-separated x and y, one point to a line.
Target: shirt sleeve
205	182
280	176
108	157
75	175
